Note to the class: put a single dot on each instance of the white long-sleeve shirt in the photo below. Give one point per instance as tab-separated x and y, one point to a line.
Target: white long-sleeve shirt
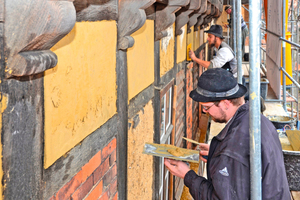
224	55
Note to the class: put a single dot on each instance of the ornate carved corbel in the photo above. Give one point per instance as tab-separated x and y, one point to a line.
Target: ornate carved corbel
217	10
31	28
200	21
203	11
208	18
220	7
132	16
165	16
96	10
183	15
196	14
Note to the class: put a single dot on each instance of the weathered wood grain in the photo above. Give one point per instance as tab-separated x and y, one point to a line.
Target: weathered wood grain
197	13
183	15
96	10
131	18
165	17
31	28
1	10
203	16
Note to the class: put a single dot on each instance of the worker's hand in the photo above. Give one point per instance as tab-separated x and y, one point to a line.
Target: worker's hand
226	26
203	151
176	167
192	55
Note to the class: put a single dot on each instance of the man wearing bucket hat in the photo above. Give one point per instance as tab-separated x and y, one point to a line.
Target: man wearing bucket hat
228	163
245	31
225	57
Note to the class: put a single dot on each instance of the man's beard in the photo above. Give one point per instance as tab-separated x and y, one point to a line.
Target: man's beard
221	119
212	44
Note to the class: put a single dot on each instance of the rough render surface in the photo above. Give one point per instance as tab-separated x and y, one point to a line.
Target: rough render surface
167	51
140	166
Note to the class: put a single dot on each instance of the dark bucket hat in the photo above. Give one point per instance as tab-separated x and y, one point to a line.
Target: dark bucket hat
216	30
217	84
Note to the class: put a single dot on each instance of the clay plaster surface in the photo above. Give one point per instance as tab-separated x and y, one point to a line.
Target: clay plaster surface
140	60
167	51
181	45
80	92
140	166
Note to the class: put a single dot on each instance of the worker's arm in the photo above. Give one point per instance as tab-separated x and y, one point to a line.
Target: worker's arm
203	63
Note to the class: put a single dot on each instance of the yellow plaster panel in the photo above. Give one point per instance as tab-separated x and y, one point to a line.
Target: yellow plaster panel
190	37
181	45
196	40
140	60
80	92
140	165
167	51
3	106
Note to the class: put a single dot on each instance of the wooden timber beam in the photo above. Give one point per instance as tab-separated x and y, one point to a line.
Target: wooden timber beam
183	15
203	11
165	16
96	10
194	18
200	21
32	27
132	17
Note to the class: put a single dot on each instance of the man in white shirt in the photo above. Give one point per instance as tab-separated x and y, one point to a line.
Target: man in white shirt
224	58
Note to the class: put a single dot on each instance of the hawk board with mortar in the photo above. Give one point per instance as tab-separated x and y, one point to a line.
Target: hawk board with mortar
172	152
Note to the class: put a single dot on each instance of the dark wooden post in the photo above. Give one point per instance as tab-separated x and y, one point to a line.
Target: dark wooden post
30	29
132	17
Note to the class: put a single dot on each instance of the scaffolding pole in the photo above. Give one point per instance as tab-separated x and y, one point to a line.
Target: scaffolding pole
297	62
254	92
233	25
239	41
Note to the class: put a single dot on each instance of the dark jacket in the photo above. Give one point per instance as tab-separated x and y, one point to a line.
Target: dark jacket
228	166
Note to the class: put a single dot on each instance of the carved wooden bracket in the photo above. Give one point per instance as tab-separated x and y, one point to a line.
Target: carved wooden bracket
165	16
196	14
131	18
218	6
96	10
31	28
183	15
208	18
215	13
200	21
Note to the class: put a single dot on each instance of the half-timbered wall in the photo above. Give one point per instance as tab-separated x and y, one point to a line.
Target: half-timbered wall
81	85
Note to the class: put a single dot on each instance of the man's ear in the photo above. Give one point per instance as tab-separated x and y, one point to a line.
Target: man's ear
226	102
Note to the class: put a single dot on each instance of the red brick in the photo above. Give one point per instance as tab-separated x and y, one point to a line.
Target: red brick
101	170
52	198
110	176
92	165
112	188
106	151
104	196
96	192
113	158
68	189
115	197
83	190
